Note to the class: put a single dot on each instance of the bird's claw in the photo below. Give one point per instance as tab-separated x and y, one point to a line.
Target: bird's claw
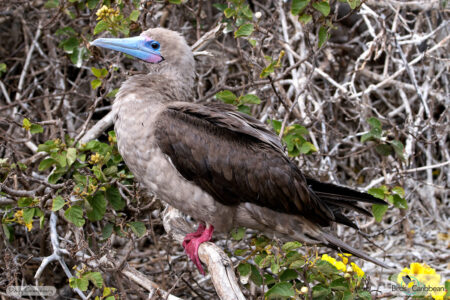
193	240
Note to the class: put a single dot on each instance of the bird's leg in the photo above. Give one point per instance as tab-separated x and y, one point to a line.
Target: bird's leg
190	236
193	240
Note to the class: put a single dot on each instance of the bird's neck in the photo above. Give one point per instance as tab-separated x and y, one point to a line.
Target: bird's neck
158	87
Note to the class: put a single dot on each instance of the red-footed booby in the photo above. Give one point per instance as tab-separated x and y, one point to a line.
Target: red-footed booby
220	166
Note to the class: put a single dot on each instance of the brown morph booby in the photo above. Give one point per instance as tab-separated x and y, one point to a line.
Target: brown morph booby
220	166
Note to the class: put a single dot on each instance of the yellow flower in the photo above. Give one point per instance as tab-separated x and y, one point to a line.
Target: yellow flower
357	270
95	158
329	259
104	12
18	217
340	266
29	226
344	257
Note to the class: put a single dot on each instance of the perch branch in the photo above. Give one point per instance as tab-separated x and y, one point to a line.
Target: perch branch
218	263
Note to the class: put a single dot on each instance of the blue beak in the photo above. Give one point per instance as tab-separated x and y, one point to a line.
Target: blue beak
141	47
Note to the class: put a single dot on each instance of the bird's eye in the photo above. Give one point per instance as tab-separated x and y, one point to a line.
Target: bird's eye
155	45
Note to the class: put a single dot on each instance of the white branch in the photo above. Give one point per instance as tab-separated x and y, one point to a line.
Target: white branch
56	255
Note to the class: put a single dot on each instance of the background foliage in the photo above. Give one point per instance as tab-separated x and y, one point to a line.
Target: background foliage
357	90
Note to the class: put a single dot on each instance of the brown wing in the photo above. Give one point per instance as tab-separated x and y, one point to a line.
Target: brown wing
235	160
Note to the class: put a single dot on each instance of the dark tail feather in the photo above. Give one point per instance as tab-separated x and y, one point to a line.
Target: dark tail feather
332	191
337	198
337	244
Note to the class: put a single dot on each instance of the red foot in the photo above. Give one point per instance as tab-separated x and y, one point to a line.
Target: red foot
193	240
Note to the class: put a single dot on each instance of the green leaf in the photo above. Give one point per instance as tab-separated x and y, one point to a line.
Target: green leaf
226	96
364	295
398	148
79	283
354	3
240	252
326	268
115	199
377	193
96	83
229	12
274	266
58	203
28	214
244	30
100	27
8	232
107	230
276	125
69	45
305	18
134	15
323	36
175	1
74	214
26	124
96	72
51	4
98	207
399	191
399	202
91	4
238	233
298	5
374	122
291	246
383	149
55	176
323	7
112	93
268	70
95	278
366	137
25	201
340	284
138	228
280	290
2	68
263	260
36	128
347	296
307	148
376	132
244	269
288	275
297	264
220	6
244	109
71	156
252	42
378	211
320	291
256	276
249	98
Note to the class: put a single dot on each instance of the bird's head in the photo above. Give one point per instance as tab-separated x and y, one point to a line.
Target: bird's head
164	47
